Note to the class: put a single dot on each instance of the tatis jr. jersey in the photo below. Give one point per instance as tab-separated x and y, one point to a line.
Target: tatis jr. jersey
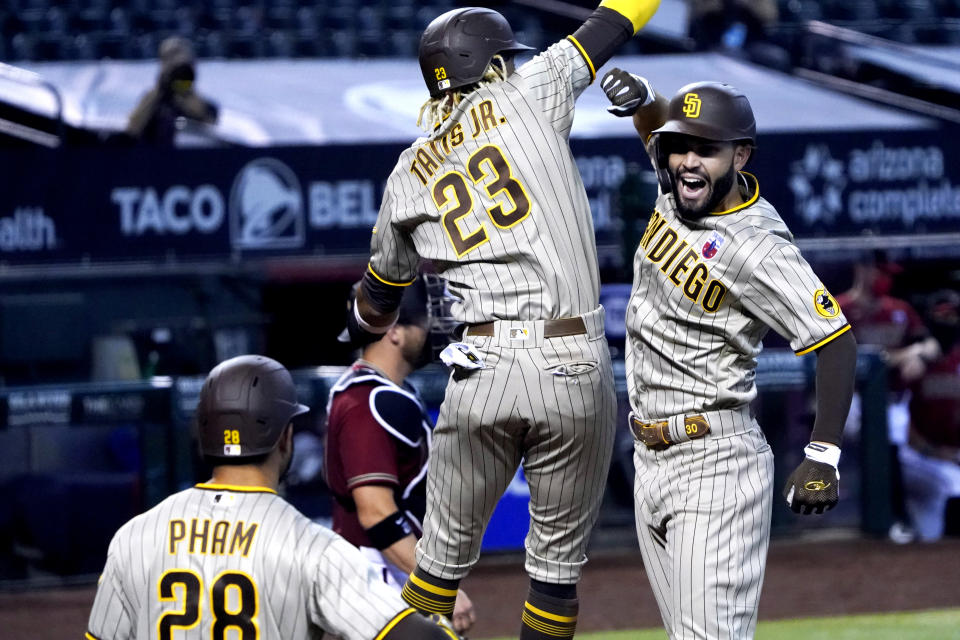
494	198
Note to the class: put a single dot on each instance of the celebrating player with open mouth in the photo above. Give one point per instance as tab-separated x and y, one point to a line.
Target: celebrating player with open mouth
715	269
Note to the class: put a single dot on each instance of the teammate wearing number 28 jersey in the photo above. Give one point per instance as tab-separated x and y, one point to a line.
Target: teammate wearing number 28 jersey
230	558
492	196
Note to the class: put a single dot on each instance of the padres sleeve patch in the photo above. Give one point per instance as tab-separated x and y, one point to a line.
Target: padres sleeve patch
825	304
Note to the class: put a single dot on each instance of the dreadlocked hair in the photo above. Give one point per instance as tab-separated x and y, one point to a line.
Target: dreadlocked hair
435	110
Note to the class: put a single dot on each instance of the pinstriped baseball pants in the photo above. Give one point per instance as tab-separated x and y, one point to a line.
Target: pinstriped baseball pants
548	402
703	512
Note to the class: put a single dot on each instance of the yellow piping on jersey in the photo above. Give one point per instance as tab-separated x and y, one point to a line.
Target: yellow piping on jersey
583	52
829	338
234	487
90	636
638	13
385	281
440	591
753	198
548	615
390	625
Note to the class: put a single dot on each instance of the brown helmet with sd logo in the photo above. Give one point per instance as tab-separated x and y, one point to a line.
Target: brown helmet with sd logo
709	110
457	46
245	404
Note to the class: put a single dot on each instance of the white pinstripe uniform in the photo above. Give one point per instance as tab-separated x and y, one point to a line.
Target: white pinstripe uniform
493	197
705	293
219	561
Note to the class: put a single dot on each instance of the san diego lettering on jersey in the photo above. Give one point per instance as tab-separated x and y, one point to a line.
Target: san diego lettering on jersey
428	158
206	537
682	264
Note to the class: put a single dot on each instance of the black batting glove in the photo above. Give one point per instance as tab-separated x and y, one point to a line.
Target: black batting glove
627	92
814	486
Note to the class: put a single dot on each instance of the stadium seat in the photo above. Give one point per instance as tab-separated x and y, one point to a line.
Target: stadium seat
279	45
308	23
404	43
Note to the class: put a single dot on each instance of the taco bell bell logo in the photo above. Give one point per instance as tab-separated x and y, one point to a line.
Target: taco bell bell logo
266	207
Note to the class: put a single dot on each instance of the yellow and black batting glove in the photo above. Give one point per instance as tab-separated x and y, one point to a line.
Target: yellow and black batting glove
814	486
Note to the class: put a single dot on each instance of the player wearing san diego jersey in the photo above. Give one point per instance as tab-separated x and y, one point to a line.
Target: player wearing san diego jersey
715	269
231	558
492	196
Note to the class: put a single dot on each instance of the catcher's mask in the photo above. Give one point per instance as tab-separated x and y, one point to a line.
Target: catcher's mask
245	404
457	46
708	110
441	324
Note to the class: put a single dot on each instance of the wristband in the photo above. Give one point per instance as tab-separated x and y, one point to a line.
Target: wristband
823	452
366	326
392	528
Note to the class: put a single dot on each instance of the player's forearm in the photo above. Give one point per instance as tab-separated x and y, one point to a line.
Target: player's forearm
612	24
378	301
651	117
638	12
402	554
836	367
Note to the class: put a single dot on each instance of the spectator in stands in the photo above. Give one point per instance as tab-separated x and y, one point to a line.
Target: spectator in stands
892	324
931	457
731	24
154	121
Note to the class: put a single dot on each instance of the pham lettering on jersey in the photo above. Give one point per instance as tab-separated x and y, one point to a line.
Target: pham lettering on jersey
220	538
680	263
429	157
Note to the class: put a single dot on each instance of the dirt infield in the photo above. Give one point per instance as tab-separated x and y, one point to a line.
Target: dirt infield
803	579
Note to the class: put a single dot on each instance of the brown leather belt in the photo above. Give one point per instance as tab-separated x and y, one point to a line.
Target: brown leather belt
551	328
656	435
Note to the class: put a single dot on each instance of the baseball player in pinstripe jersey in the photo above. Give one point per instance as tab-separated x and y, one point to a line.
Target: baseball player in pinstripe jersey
492	196
229	557
715	269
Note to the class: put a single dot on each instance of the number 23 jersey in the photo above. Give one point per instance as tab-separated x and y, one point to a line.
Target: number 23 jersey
494	198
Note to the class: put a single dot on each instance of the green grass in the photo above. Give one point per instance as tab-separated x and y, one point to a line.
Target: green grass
923	625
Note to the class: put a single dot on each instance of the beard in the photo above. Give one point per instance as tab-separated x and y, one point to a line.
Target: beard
418	355
716	192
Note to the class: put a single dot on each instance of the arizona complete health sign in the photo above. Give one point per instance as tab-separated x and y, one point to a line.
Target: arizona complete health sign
845	184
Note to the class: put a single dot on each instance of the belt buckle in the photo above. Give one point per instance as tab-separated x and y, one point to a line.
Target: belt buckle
655	435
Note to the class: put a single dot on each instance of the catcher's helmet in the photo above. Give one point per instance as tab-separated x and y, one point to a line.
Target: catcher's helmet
457	46
245	404
710	110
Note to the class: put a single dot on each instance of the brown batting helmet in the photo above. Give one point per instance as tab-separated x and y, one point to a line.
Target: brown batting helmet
457	46
711	110
245	404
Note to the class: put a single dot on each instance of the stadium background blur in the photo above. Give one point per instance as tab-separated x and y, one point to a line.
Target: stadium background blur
129	268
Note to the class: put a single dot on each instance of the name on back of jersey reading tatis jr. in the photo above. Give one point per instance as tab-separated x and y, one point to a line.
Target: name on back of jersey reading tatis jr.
430	156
